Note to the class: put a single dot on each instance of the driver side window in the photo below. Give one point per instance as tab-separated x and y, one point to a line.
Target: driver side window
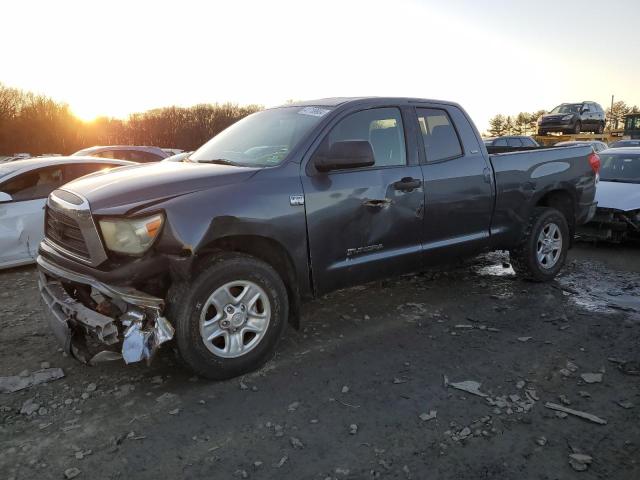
381	127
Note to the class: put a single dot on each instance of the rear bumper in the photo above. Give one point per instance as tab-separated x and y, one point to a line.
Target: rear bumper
586	212
126	323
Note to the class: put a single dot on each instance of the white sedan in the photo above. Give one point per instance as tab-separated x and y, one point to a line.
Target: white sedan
24	188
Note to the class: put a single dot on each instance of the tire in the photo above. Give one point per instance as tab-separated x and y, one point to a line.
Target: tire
525	258
578	127
542	132
600	129
230	276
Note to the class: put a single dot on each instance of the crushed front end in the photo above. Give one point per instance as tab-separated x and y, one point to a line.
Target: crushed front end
611	225
93	318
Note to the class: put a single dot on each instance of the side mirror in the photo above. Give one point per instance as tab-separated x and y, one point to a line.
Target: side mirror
347	154
5	197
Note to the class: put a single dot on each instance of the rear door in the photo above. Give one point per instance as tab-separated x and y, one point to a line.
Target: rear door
366	223
458	183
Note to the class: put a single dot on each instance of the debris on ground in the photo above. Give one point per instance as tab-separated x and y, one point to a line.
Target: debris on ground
579	461
296	443
29	407
425	417
564	400
353	429
591	377
72	472
542	440
577	413
282	461
293	406
524	339
24	380
167	398
469	386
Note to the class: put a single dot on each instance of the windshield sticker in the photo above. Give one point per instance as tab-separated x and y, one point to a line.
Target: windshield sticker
314	111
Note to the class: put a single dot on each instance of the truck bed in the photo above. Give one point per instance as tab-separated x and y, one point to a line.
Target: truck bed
522	179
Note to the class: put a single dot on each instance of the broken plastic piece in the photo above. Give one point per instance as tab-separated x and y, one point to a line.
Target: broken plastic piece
135	346
17	382
105	356
468	386
577	413
140	344
163	331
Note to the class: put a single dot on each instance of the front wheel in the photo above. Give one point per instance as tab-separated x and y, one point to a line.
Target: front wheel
230	319
578	127
543	251
600	129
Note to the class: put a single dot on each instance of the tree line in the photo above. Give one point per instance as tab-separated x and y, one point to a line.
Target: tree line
525	123
38	125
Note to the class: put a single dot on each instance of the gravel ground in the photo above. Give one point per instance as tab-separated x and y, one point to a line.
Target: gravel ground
361	391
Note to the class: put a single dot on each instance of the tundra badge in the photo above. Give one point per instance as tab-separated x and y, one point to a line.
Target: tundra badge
296	200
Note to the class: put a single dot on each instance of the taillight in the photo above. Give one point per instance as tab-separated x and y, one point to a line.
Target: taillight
594	161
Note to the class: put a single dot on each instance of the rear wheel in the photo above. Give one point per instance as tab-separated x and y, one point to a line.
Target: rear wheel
231	317
600	128
543	251
542	132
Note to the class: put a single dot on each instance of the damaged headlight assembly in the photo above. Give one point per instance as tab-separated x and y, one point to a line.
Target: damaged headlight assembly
131	236
145	328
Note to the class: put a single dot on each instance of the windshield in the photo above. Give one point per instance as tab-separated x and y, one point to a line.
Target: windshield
260	140
625	143
620	167
567	108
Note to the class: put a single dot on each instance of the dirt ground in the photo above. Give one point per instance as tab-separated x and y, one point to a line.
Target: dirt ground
360	391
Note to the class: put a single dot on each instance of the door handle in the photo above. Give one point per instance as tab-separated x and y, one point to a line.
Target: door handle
377	203
407	184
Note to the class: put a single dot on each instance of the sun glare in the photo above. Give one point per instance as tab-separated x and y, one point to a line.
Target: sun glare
86	113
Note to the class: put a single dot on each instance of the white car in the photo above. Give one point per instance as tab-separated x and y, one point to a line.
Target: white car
24	188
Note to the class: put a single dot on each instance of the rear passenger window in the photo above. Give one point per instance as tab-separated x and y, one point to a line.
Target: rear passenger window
440	138
514	142
381	127
500	142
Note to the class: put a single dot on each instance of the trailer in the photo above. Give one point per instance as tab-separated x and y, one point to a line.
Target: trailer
607	137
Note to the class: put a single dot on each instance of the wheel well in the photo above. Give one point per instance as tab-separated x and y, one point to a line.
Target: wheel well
563	201
272	253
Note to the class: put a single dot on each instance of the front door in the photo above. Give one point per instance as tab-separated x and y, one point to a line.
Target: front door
366	223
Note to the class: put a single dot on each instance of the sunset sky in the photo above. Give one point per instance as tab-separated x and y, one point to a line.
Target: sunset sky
117	57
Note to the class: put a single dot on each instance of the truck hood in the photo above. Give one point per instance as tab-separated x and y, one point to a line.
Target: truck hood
139	185
618	196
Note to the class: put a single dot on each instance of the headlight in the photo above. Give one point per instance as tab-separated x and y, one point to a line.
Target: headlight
567	117
131	236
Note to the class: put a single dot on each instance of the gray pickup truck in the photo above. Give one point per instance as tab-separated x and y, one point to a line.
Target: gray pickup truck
215	254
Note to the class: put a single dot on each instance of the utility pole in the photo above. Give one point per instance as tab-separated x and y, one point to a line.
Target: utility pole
611	115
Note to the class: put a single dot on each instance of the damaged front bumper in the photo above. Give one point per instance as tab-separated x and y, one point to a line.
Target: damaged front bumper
96	322
612	225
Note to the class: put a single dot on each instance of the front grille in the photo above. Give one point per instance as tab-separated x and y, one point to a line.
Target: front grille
65	232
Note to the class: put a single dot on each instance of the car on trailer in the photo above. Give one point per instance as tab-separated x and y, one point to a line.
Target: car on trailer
573	118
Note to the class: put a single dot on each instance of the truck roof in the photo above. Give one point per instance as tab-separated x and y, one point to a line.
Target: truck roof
337	101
